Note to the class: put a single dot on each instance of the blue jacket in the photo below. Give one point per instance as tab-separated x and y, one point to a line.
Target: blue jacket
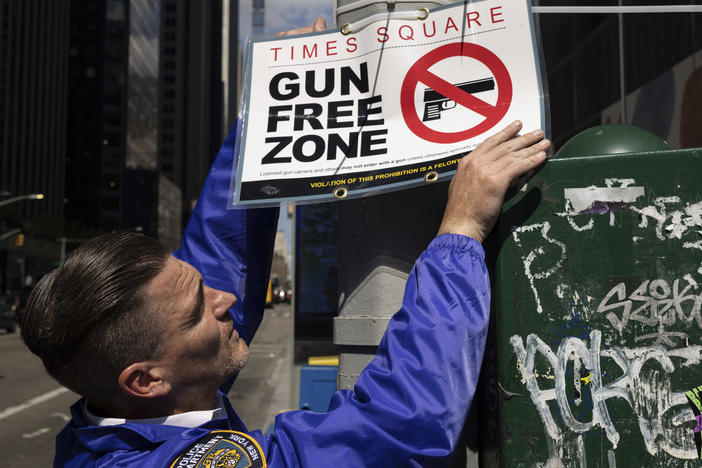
408	406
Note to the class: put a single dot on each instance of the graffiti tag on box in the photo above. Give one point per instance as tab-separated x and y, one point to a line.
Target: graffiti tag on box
643	334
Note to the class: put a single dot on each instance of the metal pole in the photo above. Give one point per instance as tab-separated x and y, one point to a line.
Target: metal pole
622	80
23	270
379	239
378	243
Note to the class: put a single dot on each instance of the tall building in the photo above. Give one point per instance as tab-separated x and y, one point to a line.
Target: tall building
97	113
34	38
258	18
281	259
113	120
33	98
142	85
152	203
150	206
231	63
191	93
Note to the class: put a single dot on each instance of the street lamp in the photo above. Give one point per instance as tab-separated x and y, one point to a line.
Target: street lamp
31	196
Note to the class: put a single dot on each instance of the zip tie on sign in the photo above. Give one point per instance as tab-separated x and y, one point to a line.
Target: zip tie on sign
619	9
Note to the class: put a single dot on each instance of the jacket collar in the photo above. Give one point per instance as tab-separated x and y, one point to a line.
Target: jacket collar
134	436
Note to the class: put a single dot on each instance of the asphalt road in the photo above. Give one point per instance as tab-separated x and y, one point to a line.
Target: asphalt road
34	408
269	383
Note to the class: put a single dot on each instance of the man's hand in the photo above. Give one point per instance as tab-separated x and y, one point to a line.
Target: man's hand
319	24
478	188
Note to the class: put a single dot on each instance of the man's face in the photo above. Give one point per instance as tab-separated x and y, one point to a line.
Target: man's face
201	347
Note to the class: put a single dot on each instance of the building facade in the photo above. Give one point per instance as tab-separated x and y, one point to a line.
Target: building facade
97	114
115	123
191	93
34	42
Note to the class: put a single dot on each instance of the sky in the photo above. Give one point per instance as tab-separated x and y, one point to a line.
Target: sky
281	15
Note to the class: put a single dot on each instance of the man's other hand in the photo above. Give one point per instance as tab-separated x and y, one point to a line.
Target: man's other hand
319	24
482	178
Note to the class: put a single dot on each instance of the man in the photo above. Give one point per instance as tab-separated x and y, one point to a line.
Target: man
148	343
153	341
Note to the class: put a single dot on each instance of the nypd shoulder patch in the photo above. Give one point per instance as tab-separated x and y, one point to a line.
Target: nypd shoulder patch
220	449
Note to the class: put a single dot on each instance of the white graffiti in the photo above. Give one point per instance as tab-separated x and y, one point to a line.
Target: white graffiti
654	304
532	273
621	182
672	224
662	414
580	385
670	217
584	199
570	213
599	200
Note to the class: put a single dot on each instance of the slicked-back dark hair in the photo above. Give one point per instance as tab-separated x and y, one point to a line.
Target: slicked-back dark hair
88	319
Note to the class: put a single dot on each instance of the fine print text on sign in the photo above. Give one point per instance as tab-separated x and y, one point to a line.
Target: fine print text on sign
382	108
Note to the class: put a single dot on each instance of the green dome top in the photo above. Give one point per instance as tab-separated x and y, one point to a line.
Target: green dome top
611	139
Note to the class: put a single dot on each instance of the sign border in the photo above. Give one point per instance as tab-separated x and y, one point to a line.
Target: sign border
234	198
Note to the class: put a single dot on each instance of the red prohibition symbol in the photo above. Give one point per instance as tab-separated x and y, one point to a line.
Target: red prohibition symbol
419	73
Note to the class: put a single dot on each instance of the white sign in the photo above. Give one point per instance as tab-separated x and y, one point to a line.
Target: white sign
328	114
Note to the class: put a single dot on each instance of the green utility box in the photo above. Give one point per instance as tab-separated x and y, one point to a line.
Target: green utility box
598	289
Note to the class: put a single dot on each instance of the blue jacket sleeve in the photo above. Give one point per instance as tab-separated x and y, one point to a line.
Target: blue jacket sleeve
232	249
410	403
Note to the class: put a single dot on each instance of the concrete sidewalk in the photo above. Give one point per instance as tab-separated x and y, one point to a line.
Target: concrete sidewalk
270	382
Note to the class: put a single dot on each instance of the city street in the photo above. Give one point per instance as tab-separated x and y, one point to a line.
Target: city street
270	382
34	408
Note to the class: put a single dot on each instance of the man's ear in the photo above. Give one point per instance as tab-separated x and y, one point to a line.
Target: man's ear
143	380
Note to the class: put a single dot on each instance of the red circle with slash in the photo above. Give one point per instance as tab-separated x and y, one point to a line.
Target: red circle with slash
419	72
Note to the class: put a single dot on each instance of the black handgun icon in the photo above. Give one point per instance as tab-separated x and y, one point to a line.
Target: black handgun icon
435	102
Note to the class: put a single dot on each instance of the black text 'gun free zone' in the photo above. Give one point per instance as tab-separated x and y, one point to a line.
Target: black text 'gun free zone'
435	102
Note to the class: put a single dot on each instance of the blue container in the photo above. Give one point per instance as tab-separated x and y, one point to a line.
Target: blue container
317	385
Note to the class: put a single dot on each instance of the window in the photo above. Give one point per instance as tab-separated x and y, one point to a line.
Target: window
110	203
257	18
